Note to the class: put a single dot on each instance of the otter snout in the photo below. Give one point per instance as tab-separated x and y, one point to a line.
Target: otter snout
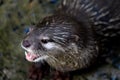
26	43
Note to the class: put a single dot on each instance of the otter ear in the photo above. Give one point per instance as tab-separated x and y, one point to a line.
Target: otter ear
75	37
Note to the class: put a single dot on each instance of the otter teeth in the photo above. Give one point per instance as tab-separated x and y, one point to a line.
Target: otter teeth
30	56
34	57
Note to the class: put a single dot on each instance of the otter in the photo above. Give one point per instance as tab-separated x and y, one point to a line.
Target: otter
75	35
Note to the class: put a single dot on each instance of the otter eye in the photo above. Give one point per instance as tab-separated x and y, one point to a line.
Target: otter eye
44	41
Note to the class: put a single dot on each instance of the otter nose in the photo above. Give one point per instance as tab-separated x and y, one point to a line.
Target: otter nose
26	43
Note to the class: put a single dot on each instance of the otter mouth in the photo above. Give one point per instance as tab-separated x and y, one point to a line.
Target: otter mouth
32	57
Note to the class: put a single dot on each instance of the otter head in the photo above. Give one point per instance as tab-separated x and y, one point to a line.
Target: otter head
61	42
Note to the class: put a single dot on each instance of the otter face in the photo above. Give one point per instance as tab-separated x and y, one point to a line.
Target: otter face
64	44
40	43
